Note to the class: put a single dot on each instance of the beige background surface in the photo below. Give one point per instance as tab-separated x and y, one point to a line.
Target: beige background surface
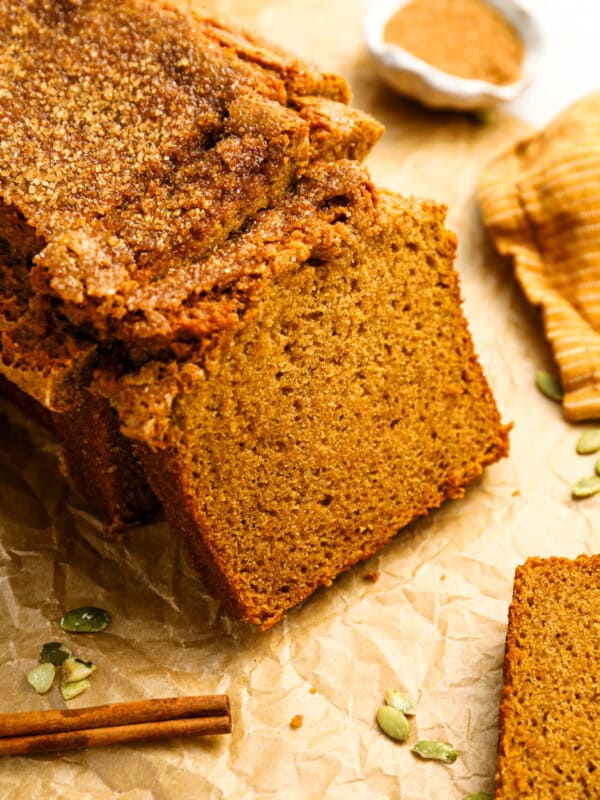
434	622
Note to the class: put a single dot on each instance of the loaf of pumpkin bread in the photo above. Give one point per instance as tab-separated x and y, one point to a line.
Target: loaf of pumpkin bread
549	715
136	135
188	239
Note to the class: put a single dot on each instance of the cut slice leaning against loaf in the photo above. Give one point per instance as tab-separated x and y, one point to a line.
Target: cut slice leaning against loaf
345	402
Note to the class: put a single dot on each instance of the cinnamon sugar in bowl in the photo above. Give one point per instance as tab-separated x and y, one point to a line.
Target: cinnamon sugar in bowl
462	54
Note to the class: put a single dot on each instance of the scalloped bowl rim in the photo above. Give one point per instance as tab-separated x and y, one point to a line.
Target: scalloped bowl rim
395	62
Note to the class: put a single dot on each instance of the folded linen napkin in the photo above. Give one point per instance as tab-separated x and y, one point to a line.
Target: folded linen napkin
541	204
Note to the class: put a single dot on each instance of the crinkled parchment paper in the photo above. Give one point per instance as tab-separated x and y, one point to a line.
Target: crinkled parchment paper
434	622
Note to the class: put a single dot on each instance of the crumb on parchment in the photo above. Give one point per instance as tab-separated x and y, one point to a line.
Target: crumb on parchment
296	721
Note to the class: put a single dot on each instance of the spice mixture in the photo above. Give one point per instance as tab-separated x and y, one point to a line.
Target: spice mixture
468	38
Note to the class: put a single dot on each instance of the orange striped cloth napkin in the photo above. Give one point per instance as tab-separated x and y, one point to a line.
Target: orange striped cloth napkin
541	204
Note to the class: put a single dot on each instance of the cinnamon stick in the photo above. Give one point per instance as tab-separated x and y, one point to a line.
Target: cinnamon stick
115	723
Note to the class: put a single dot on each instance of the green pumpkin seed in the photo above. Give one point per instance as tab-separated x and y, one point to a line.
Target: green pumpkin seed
597	467
586	487
549	385
76	669
54	653
41	677
478	796
400	701
485	116
589	442
71	690
393	723
86	619
440	751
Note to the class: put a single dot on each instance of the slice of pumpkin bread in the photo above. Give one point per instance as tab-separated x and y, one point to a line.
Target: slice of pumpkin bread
340	400
549	716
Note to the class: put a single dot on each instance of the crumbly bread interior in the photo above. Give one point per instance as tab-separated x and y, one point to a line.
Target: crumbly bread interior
38	353
549	714
348	403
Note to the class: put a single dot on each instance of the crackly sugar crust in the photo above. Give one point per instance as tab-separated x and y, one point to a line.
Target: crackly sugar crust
137	135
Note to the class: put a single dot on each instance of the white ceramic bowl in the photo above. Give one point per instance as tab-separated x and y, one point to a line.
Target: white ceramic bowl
433	87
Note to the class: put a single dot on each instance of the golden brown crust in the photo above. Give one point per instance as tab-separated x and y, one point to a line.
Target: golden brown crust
337	131
137	135
299	78
212	296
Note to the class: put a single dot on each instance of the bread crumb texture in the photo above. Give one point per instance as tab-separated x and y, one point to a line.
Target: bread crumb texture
184	233
549	712
347	403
